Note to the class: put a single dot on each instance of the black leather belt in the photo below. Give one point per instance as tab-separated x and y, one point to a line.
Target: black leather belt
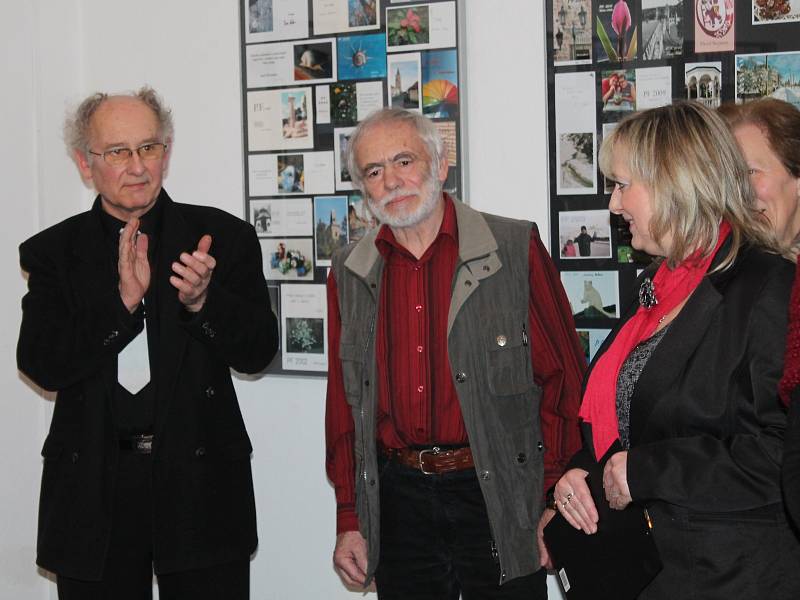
139	444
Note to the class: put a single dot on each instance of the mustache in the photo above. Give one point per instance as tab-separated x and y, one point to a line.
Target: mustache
394	195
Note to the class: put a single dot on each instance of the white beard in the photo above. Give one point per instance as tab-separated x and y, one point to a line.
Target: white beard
429	195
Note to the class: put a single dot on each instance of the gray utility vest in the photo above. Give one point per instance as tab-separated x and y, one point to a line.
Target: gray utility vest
492	373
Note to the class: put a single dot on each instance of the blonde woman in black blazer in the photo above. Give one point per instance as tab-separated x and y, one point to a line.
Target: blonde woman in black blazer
703	431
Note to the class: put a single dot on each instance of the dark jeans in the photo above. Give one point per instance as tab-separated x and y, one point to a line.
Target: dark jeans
436	543
128	572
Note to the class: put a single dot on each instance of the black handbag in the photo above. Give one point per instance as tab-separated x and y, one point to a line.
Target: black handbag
617	561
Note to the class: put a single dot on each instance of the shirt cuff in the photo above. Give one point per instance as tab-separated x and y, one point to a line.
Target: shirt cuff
346	520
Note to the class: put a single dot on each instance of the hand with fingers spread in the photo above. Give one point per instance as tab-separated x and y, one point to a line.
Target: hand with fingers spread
574	501
132	265
350	558
193	274
615	481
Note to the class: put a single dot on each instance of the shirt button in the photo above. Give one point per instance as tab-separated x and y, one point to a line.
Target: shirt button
419	307
420	389
419	348
416	267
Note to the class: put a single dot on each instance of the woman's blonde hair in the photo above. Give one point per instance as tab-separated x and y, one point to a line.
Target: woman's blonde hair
688	159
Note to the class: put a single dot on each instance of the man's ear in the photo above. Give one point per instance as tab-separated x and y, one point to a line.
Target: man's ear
82	161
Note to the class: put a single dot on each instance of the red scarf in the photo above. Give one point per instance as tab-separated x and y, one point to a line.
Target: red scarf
672	286
791	369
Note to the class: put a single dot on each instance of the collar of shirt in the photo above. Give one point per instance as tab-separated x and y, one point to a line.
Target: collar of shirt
390	248
149	223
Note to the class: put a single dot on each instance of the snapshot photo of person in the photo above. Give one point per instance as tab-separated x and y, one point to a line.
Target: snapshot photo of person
584	234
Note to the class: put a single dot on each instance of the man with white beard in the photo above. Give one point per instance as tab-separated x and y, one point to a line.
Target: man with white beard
454	382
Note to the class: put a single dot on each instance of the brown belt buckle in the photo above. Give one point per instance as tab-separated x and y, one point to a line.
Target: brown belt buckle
434	451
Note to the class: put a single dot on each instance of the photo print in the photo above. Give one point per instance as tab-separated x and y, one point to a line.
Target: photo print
337	16
403	73
616	40
572	32
440	84
576	156
314	61
576	146
282	217
584	234
298	173
280	119
776	75
703	82
408	26
592	294
359	219
653	87
361	56
304	329
274	20
618	92
714	25
288	259
767	12
353	102
341	139
291	174
294	114
330	227
662	29
286	63
421	26
591	340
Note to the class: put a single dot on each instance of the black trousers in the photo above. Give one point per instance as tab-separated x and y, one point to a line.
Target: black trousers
436	543
128	572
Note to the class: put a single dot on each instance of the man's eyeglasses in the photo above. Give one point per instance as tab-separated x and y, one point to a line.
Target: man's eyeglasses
120	156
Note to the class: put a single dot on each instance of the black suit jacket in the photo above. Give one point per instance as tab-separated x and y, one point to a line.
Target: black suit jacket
707	425
74	325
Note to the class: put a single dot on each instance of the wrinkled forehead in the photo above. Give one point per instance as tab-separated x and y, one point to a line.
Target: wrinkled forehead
382	141
122	119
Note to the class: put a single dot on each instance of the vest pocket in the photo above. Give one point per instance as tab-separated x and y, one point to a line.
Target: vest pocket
352	372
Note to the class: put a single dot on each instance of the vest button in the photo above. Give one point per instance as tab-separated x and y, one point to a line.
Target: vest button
468	283
461	377
501	340
487	268
485	475
366	382
540	446
521	458
372	482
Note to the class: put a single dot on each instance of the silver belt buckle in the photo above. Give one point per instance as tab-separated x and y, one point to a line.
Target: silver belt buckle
434	451
143	444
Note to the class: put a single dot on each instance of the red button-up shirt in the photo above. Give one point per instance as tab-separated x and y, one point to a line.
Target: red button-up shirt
417	402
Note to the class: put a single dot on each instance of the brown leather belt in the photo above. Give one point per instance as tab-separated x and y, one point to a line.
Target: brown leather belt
432	461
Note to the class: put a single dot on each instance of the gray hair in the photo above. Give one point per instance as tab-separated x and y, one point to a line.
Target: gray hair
425	128
77	123
688	159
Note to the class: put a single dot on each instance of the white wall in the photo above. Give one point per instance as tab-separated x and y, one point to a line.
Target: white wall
57	52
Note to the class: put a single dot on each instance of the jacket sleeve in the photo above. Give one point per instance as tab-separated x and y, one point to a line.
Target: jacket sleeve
737	469
66	337
339	427
790	472
558	361
236	321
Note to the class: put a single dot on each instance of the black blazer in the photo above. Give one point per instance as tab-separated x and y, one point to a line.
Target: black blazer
74	325
706	422
791	461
